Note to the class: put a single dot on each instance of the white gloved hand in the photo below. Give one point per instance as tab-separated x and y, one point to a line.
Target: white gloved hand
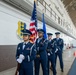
56	50
22	57
48	54
19	60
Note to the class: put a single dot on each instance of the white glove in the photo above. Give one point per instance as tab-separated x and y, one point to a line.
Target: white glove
48	54
56	50
22	57
19	60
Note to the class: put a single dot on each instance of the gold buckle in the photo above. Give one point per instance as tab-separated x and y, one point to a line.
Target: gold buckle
38	56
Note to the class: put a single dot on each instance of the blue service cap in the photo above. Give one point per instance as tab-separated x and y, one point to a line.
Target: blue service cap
57	33
26	32
49	34
41	30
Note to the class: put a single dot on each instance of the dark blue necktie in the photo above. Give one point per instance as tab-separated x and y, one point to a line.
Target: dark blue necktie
24	45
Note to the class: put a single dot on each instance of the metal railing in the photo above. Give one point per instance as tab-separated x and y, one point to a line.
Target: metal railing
51	11
55	15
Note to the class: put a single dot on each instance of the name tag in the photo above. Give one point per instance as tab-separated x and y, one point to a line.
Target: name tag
28	49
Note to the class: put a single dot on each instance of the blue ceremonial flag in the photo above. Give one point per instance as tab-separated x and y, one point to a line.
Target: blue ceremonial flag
44	26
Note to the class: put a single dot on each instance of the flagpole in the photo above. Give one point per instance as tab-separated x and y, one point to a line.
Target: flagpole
43	11
35	0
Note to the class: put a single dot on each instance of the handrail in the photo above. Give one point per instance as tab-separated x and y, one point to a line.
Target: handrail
54	14
51	11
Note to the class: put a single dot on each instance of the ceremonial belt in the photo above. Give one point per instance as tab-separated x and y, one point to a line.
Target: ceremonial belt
38	53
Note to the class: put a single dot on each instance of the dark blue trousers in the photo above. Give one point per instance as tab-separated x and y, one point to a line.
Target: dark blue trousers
59	54
26	69
43	62
51	59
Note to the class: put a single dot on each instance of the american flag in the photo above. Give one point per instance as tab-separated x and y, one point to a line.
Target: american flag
33	24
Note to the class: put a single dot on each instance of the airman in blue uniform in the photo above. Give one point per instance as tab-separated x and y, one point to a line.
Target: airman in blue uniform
51	53
25	55
41	57
59	50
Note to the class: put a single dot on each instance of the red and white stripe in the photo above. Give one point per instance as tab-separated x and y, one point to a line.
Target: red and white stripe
33	30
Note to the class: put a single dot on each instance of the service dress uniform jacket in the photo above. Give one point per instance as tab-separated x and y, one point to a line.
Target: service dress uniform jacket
59	51
29	52
41	57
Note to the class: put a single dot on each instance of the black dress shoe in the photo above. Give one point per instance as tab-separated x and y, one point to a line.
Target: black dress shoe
51	68
62	70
